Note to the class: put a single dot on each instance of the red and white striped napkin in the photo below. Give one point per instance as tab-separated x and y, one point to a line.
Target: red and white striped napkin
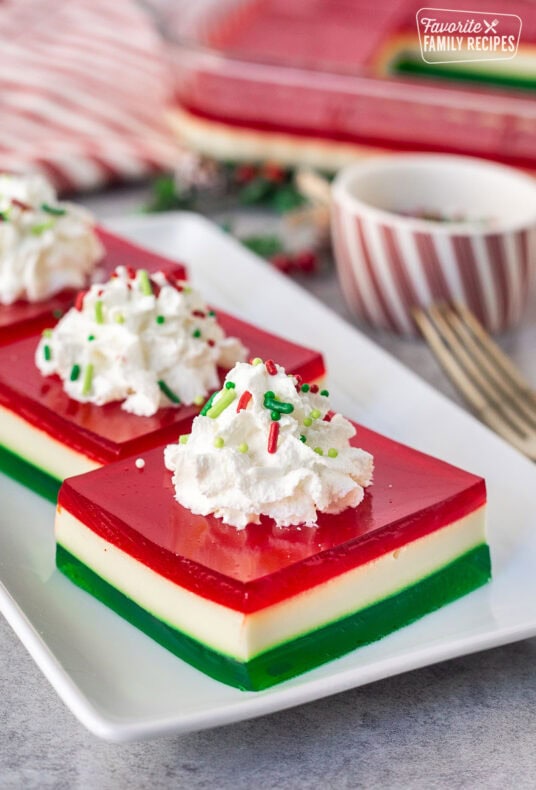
83	88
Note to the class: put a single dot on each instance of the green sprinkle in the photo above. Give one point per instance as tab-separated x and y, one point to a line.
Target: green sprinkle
88	379
99	315
273	403
186	289
47	333
319	450
208	404
145	283
332	452
325	393
47	353
57	313
170	395
315	414
54	210
196	333
75	372
198	400
308	422
243	448
184	438
40	228
305	387
91	337
275	415
303	438
218	442
225	400
256	361
160	319
4	215
230	385
211	313
120	318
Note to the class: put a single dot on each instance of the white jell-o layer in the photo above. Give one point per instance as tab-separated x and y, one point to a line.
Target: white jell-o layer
243	636
40	449
224	142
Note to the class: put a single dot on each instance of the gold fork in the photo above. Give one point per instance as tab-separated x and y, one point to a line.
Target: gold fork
488	380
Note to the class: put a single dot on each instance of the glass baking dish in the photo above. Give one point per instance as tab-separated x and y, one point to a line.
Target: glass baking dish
323	81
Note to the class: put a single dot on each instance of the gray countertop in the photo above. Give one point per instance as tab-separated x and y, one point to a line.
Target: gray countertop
470	722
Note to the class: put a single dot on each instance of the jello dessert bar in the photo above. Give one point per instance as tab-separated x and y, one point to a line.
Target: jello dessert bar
126	369
320	84
48	251
275	536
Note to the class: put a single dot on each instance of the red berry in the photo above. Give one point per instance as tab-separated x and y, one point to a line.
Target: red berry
282	262
245	173
305	261
273	172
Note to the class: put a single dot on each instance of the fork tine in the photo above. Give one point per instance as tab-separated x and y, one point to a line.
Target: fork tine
489	368
496	353
472	370
487	411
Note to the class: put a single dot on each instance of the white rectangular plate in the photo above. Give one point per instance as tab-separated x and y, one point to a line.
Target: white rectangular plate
123	686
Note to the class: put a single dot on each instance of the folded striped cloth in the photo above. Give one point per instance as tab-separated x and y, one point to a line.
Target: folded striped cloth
83	88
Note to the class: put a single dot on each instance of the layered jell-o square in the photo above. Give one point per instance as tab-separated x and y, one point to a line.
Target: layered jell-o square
257	606
26	318
45	436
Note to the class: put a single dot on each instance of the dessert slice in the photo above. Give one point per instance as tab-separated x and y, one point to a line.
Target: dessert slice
255	605
46	435
48	251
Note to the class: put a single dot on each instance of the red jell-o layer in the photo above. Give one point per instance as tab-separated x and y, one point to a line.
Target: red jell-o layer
135	510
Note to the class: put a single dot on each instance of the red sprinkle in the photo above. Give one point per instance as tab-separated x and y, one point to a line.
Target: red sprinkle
79	301
20	204
243	400
273	436
328	416
211	343
314	388
198	313
270	367
299	379
131	272
173	279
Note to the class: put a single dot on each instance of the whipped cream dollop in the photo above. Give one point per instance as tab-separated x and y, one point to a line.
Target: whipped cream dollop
148	340
266	444
45	245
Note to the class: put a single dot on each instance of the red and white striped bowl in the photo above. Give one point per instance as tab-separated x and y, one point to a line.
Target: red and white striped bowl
389	259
